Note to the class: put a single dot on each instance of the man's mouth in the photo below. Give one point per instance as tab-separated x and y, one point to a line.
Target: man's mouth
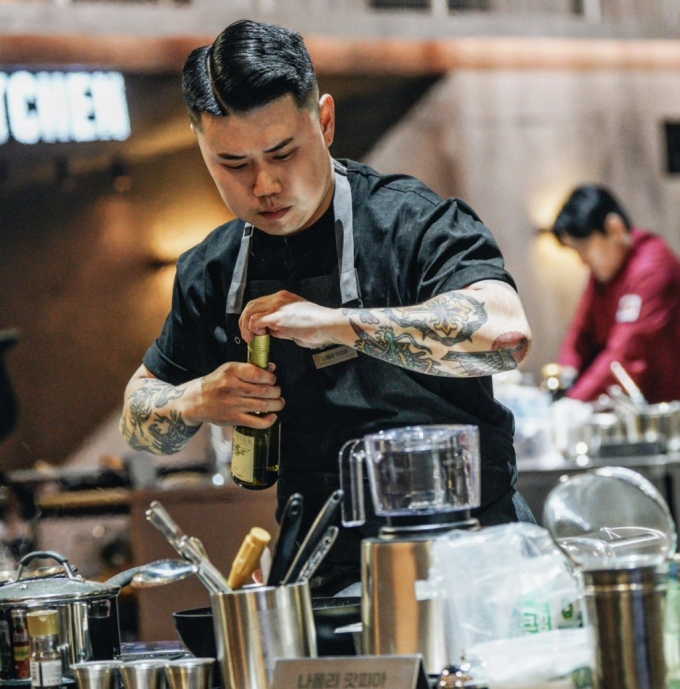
275	214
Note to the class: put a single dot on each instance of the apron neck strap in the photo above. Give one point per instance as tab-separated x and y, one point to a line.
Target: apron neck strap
344	242
239	278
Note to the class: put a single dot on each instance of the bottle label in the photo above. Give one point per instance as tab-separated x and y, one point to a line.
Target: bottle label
46	673
243	457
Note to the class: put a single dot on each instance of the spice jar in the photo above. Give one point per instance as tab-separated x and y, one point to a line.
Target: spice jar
43	632
20	647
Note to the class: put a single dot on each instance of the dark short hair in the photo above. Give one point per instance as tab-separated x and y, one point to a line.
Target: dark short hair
249	65
585	212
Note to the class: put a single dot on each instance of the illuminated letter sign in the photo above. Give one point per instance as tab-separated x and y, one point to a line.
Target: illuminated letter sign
63	106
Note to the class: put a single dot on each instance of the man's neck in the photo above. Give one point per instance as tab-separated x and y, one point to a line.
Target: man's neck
325	202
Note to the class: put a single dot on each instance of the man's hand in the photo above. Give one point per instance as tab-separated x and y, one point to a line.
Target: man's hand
162	418
289	317
230	395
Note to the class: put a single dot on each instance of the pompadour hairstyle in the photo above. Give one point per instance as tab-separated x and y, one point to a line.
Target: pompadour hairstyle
249	65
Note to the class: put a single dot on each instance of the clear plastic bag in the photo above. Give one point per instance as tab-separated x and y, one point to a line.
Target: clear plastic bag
502	583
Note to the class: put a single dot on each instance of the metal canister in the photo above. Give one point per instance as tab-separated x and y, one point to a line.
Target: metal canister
626	609
21	649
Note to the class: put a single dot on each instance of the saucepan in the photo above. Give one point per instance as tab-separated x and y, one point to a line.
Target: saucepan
88	610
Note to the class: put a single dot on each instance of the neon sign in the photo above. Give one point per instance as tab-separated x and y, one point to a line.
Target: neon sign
55	107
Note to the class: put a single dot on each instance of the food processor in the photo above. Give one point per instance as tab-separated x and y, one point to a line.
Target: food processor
424	481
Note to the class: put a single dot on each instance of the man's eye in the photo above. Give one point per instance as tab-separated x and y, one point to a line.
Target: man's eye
283	156
236	167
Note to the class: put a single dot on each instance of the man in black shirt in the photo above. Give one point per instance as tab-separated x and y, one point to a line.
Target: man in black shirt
408	288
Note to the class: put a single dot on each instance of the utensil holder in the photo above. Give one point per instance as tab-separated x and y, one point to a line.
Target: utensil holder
255	626
626	607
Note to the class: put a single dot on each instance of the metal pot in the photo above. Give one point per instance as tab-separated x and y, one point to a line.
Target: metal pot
88	610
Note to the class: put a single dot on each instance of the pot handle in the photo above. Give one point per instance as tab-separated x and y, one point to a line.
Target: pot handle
42	555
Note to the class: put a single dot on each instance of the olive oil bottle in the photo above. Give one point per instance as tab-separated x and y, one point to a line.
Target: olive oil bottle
255	451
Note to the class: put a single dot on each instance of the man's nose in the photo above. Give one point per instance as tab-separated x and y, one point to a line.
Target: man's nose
266	184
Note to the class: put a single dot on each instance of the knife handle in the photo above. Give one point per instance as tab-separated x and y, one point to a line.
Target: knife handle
285	545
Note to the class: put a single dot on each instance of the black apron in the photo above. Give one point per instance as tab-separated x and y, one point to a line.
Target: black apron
327	406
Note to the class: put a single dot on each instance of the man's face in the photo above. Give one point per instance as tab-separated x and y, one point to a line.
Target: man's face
604	253
271	165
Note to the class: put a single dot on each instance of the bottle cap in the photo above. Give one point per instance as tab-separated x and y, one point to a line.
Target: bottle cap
260	342
43	623
258	351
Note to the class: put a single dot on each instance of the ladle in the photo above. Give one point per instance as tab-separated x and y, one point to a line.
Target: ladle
163	572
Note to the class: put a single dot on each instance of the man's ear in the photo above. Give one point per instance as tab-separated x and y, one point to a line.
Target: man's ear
615	227
327	118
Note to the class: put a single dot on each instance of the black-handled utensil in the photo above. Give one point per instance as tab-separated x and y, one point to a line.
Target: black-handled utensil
284	550
317	531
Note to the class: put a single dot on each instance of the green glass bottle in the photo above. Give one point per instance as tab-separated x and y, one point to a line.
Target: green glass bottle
256	451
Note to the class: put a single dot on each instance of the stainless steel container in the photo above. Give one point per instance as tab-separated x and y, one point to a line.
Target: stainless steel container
646	424
394	621
189	673
143	674
255	626
604	429
97	674
670	424
626	608
88	611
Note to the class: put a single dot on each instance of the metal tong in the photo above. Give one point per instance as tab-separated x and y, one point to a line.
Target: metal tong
190	548
628	384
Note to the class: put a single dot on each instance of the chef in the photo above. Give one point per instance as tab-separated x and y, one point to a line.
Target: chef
630	311
408	291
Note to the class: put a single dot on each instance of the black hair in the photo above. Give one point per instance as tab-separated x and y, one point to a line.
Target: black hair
249	65
585	212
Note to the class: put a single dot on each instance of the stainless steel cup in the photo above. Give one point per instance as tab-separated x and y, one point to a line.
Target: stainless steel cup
189	673
626	607
143	674
255	626
97	674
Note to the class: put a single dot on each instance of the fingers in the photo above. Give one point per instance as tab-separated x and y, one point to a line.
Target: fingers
261	406
249	373
268	392
252	421
254	318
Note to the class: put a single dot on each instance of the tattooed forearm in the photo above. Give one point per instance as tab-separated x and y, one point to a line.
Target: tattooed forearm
487	363
449	335
449	318
401	350
148	424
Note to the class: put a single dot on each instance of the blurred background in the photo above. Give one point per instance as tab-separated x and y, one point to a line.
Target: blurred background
507	104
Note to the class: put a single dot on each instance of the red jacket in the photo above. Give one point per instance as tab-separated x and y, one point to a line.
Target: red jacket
634	319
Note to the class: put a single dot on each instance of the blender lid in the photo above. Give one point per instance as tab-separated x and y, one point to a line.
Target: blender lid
610	518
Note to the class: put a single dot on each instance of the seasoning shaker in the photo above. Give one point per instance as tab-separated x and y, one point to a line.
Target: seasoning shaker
43	634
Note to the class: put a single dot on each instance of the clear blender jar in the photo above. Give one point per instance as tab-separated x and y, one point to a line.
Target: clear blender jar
413	472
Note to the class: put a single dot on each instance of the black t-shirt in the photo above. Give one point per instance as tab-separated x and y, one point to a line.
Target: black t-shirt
409	246
307	254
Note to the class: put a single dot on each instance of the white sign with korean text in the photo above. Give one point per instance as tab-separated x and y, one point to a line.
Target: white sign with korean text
352	672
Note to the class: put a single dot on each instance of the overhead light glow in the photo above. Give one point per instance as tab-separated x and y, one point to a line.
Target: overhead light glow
62	107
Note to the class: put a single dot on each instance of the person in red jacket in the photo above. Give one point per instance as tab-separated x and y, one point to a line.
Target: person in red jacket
630	311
